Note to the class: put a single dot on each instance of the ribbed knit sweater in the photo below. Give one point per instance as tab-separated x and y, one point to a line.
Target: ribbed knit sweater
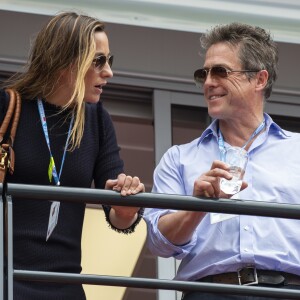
96	159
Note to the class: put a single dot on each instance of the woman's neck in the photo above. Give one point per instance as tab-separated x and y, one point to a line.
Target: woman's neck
60	96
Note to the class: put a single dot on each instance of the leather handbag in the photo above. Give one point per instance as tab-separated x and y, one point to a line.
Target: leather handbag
8	131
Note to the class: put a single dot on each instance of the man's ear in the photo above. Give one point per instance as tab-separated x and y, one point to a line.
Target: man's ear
261	79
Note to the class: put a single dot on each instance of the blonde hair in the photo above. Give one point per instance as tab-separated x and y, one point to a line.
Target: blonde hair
66	41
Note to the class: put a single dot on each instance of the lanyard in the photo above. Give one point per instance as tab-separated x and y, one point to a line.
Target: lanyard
253	135
52	169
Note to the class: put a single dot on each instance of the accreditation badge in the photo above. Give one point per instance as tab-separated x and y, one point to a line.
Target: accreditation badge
217	217
53	217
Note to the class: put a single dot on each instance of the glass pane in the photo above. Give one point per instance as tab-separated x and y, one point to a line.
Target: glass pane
287	123
188	123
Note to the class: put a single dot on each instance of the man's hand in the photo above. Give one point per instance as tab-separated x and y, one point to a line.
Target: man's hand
208	184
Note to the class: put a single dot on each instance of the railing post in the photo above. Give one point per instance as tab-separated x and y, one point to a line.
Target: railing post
9	228
1	250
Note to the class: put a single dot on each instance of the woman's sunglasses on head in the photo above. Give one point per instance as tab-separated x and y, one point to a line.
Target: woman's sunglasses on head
200	75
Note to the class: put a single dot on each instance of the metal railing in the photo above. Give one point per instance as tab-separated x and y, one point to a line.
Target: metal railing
95	196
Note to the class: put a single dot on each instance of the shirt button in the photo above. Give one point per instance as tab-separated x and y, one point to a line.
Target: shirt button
246	228
245	250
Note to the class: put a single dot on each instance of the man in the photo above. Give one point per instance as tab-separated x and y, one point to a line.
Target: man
239	70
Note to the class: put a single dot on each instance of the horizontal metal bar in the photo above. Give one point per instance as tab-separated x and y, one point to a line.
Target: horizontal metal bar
97	196
147	76
159	77
154	284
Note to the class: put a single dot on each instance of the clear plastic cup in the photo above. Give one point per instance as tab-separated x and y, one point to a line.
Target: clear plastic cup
237	159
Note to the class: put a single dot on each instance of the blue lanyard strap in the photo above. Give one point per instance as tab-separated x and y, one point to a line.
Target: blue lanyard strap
253	135
52	168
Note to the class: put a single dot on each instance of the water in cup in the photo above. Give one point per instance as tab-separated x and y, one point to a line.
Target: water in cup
237	159
232	186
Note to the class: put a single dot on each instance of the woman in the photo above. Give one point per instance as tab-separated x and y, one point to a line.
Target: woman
64	137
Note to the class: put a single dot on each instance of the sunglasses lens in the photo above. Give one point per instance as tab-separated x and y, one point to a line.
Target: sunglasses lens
218	71
100	62
110	60
200	76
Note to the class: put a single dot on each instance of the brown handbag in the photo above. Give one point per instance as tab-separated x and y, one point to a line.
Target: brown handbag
11	119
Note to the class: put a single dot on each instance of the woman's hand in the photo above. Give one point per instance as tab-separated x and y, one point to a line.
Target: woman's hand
123	217
125	184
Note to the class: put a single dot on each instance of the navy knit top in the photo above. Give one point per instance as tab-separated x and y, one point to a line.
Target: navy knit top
97	159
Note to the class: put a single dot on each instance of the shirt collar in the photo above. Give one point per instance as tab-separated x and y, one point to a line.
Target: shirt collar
209	132
271	128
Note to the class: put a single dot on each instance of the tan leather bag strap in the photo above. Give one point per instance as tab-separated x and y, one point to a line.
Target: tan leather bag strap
7	155
13	110
12	116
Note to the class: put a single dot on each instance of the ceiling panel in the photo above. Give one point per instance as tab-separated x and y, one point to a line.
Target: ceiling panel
282	18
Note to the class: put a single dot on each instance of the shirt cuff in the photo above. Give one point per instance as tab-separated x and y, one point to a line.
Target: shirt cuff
160	245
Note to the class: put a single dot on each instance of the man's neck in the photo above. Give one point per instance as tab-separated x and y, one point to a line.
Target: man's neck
237	133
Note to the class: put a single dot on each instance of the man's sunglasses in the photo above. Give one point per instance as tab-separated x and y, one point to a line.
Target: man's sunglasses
200	75
100	61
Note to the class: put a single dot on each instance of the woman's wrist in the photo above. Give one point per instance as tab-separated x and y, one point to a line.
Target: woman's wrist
122	219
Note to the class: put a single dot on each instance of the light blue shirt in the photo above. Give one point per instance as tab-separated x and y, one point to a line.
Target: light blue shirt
272	174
